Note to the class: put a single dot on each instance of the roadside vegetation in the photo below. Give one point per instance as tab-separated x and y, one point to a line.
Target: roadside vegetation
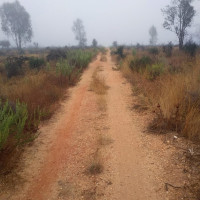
30	89
168	83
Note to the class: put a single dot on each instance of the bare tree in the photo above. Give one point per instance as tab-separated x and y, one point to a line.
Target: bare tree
94	43
15	22
178	17
153	35
79	31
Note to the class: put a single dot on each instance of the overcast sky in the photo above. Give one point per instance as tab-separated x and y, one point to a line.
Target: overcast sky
126	21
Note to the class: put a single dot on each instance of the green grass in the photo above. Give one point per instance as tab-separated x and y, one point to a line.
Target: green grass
12	122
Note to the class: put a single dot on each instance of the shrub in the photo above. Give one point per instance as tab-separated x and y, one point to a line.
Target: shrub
154	71
120	51
36	63
154	51
190	48
13	66
139	64
56	54
167	49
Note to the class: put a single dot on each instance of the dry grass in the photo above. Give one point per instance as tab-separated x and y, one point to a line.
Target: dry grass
36	90
174	97
98	84
103	58
105	140
102	104
95	167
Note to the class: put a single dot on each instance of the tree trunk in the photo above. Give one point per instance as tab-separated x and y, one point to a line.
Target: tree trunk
20	45
180	43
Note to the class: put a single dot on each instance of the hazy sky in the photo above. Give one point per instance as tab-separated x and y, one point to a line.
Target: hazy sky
126	21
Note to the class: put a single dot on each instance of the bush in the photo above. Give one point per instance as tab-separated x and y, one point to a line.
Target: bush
140	63
154	51
154	71
190	48
13	66
167	49
36	63
120	51
56	54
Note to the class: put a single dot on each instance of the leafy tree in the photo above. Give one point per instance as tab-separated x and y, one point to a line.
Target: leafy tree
15	22
94	43
178	17
5	44
79	31
153	35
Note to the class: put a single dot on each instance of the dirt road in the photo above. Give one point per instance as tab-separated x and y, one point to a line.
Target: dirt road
56	165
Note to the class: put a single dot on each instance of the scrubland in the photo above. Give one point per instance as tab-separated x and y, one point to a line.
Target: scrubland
168	84
31	87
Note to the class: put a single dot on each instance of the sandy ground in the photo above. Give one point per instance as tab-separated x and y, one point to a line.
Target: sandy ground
136	165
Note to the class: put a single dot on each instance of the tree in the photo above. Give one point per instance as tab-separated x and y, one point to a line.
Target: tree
153	35
79	31
115	44
5	44
15	22
94	43
178	17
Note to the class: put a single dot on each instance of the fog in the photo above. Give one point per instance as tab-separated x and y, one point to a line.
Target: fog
126	21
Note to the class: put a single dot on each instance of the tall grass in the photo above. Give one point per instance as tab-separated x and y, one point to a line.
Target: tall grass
171	86
12	122
79	58
27	99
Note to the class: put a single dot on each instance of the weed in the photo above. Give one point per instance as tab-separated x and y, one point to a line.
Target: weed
98	84
105	140
95	168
